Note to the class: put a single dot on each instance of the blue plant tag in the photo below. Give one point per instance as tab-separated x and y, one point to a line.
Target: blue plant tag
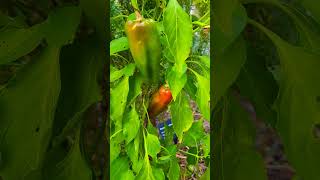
161	128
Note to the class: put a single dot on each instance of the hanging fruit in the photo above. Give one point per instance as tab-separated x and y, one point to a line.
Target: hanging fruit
159	102
145	47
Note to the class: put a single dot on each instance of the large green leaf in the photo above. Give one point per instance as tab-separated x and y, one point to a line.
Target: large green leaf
118	101
120	168
308	36
194	135
229	18
177	78
133	152
115	74
182	117
158	173
131	124
203	95
27	112
226	68
153	145
178	29
174	170
114	150
146	172
15	43
298	104
234	149
118	45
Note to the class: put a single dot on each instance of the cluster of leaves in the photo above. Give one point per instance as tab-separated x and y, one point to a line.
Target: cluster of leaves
51	57
136	151
284	89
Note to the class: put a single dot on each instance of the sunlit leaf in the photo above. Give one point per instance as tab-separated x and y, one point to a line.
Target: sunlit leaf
118	101
146	171
115	74
193	136
158	173
131	124
177	78
118	45
174	170
181	113
178	29
203	95
134	4
118	168
153	145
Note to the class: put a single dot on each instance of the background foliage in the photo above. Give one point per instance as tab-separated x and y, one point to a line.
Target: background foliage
51	63
272	62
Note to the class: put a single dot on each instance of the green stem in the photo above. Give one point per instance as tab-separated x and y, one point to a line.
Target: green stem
196	62
194	72
117	55
116	133
119	16
194	155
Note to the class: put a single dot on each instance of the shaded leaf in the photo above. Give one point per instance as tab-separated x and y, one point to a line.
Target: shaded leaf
313	7
81	67
27	113
96	13
229	18
60	166
66	17
298	104
15	43
234	147
226	68
261	89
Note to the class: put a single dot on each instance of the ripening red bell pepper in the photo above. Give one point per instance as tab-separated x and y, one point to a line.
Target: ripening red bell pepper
159	102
